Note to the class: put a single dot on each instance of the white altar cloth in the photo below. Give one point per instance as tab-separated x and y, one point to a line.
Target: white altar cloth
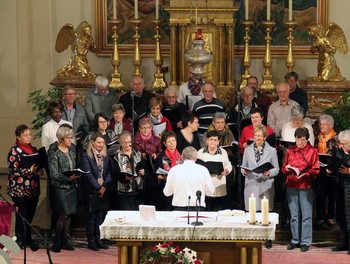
173	226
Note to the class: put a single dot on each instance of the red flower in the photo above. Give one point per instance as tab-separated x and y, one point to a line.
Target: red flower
20	180
164	245
154	249
197	261
12	158
170	243
177	249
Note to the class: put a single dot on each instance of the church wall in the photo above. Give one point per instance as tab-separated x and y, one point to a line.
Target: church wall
29	60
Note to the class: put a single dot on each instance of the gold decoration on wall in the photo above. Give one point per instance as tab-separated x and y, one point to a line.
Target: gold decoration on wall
290	62
327	44
137	55
246	58
81	43
314	102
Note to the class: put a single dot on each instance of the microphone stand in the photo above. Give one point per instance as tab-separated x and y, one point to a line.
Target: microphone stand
188	210
132	93
24	231
239	160
197	223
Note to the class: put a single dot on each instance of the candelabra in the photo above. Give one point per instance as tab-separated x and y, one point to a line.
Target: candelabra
246	58
159	82
267	85
116	81
137	55
290	58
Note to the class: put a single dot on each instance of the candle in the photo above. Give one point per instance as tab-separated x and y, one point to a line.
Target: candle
136	9
157	9
264	211
196	16
114	9
246	9
290	10
268	10
252	209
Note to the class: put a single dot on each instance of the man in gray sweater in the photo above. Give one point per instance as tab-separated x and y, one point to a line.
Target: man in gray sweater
100	99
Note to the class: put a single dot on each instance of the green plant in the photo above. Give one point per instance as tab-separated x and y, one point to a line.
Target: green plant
40	99
341	114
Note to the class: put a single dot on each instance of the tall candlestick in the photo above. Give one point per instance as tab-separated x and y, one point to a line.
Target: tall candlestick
264	211
246	8
252	209
114	9
196	15
290	10
157	9
136	9
268	10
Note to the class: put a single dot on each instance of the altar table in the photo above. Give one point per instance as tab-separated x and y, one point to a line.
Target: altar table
221	239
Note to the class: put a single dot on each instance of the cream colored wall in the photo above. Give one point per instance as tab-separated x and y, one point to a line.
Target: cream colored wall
29	61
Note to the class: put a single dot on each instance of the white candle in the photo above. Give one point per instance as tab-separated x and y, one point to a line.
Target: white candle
290	10
252	209
264	211
114	9
136	9
157	9
246	9
268	10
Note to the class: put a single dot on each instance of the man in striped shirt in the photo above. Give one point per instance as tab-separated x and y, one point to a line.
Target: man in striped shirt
207	107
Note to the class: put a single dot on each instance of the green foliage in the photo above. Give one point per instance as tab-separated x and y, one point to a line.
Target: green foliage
40	100
341	114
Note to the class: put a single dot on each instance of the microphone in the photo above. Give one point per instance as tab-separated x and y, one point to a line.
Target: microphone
132	93
199	194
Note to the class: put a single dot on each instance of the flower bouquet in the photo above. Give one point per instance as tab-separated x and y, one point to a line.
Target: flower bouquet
166	253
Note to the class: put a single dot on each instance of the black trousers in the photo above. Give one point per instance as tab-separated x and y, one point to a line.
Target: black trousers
93	224
215	203
26	207
327	187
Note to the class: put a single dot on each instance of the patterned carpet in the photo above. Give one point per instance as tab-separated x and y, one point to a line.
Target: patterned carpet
318	254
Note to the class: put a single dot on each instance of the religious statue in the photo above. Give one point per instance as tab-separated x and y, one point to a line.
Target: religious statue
81	42
327	43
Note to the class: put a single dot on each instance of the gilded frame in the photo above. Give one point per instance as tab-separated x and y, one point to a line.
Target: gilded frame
281	51
105	49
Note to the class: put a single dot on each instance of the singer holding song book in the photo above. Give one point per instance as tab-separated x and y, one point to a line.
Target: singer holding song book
218	164
259	184
185	180
23	184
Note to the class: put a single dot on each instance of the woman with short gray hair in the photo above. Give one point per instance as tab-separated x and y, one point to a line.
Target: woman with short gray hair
297	121
63	188
327	143
118	122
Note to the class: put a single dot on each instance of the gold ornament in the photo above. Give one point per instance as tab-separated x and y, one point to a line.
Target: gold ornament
327	43
316	102
81	43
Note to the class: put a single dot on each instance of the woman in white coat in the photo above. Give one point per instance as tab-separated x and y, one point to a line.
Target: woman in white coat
259	184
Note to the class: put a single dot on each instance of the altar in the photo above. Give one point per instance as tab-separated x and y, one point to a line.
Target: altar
221	239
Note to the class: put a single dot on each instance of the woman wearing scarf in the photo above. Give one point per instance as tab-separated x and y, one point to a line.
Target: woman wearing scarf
166	160
155	105
96	181
23	184
327	143
259	184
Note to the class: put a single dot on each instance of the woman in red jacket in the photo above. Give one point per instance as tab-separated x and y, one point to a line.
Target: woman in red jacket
301	167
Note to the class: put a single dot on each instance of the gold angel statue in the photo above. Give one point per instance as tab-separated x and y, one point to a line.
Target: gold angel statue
81	42
327	43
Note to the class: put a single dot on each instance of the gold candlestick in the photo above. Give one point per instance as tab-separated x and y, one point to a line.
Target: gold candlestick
246	58
137	55
267	85
159	82
116	81
290	58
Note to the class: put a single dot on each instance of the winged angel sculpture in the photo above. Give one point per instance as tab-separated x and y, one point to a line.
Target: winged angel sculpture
327	43
81	42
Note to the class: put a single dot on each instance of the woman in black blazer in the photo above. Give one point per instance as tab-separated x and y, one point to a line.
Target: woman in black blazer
96	182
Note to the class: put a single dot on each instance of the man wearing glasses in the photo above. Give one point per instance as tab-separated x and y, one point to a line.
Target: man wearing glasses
296	93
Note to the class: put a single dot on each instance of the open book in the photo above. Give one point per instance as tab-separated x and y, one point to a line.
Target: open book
76	172
233	146
296	170
324	159
161	171
39	159
335	164
233	212
260	169
159	128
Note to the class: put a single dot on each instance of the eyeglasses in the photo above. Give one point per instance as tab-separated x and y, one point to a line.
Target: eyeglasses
69	94
145	128
102	122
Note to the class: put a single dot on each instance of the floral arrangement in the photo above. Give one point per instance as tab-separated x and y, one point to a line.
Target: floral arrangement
168	251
